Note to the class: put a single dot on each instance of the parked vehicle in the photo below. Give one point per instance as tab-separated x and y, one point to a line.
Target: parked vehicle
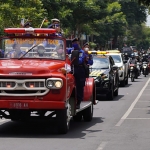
36	78
106	75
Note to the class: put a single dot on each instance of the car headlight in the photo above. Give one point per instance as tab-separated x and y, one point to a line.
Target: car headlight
54	83
121	68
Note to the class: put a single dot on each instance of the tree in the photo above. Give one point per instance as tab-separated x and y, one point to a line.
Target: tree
11	12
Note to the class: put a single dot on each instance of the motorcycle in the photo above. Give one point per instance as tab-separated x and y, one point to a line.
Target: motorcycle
138	68
145	68
132	72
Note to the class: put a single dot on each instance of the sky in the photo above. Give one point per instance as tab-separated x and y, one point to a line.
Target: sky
148	21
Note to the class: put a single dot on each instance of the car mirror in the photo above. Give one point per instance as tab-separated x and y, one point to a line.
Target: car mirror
115	67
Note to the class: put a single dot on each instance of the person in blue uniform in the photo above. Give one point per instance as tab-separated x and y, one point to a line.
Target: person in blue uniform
79	71
16	52
56	25
89	57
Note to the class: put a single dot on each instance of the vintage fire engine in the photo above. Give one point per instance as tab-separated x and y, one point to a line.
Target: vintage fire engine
36	81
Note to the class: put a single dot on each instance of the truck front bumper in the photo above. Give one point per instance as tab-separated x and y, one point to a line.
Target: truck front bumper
31	104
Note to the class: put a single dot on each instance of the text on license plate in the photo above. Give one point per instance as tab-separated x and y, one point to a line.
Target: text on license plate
19	105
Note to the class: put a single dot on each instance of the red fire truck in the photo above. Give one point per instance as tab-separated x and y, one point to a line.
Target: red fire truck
36	80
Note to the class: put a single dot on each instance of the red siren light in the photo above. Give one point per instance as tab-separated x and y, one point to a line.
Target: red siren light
29	30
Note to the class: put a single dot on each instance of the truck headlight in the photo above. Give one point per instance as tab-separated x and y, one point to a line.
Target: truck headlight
54	83
50	84
58	84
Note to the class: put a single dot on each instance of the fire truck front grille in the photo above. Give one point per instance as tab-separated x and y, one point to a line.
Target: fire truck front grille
34	84
23	87
5	84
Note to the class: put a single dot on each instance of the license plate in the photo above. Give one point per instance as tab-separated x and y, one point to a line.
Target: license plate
19	105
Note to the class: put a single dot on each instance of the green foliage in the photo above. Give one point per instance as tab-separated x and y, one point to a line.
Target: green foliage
101	19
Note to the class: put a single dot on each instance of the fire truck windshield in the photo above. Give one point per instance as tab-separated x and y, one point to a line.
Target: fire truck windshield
32	48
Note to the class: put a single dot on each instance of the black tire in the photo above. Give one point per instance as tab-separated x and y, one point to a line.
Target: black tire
110	95
63	123
78	117
88	113
122	83
126	82
116	93
132	78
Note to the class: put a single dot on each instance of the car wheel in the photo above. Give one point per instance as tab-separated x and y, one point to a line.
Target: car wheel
116	93
122	83
63	117
110	95
126	82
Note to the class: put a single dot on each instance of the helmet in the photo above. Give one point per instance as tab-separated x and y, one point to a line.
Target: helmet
132	55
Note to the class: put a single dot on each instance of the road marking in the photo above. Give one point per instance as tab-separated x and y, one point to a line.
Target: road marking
142	108
144	101
138	118
102	146
132	105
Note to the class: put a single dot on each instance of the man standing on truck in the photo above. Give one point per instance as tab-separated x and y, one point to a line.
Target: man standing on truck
79	71
56	25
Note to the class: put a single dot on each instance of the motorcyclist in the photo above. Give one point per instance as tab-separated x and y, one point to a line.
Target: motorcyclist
134	61
144	59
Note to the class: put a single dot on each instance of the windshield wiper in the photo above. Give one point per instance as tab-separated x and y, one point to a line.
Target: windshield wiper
28	51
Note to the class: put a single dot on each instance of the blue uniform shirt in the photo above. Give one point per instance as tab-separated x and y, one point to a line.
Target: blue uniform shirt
89	59
81	54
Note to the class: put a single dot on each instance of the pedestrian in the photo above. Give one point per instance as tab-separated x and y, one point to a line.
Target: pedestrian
79	71
56	25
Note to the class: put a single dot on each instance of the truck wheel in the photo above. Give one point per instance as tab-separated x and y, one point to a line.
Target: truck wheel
88	113
63	118
78	117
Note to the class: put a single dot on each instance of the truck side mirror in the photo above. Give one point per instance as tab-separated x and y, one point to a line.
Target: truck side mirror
75	57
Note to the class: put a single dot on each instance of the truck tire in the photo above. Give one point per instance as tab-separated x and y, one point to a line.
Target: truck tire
88	113
78	117
63	123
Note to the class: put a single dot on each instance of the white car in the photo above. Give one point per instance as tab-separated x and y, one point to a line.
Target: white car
123	66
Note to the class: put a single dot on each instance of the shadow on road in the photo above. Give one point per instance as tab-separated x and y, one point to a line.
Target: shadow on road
125	86
48	129
103	98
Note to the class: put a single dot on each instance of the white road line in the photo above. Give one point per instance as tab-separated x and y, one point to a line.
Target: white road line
102	146
138	118
142	108
144	101
132	105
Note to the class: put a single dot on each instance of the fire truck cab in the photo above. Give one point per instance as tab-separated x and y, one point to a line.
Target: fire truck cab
36	79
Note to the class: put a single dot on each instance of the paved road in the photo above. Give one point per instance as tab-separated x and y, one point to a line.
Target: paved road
122	124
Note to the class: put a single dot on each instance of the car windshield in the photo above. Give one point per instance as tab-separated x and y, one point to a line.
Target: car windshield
100	63
116	58
32	48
